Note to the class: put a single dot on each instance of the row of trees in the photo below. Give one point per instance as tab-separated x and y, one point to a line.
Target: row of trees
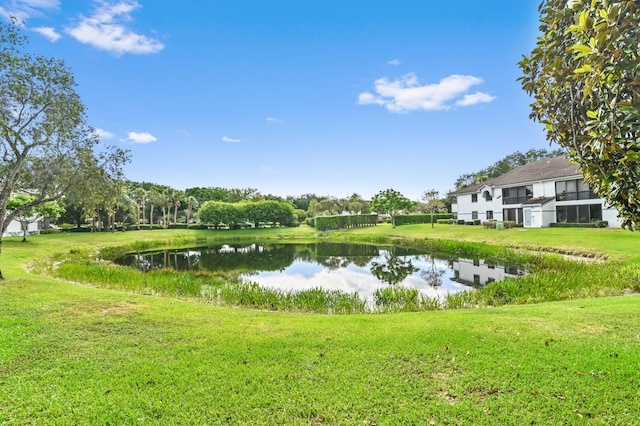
219	213
147	203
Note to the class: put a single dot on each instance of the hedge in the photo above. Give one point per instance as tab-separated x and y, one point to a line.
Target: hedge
493	224
328	223
595	224
414	219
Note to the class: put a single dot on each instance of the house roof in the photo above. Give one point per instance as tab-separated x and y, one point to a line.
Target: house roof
552	168
538	200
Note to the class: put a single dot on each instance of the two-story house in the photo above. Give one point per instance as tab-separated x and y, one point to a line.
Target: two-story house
535	195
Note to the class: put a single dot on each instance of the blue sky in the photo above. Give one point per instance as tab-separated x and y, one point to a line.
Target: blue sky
292	97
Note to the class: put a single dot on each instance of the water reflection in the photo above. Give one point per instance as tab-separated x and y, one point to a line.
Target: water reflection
350	268
393	269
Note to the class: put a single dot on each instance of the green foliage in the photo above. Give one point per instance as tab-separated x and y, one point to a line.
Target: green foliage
584	77
445	221
218	213
413	219
329	223
48	148
390	201
300	215
596	224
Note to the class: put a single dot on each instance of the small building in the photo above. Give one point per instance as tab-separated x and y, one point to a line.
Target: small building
534	195
14	229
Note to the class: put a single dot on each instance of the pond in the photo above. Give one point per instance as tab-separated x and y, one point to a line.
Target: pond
349	268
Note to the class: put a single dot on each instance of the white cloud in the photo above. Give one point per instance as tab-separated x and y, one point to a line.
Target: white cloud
228	139
25	9
49	33
103	134
475	98
143	137
106	30
274	120
394	62
407	94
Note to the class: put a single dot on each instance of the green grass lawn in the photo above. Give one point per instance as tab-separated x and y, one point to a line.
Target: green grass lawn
73	354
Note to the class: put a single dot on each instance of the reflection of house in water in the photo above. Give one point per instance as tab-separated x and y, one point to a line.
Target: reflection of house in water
480	272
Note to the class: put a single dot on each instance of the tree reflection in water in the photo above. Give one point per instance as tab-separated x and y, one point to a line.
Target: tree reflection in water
432	275
331	266
393	270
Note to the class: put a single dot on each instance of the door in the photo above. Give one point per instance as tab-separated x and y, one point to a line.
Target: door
527	217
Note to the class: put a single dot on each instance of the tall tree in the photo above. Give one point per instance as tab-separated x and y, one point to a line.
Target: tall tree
152	198
433	202
192	203
177	197
584	77
46	145
140	195
391	201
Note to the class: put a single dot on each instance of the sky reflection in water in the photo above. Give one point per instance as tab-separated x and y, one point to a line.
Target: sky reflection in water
348	268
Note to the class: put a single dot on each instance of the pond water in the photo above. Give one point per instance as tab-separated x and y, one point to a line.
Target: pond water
350	268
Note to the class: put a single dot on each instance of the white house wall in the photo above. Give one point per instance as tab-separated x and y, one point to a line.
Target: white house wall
479	273
541	215
611	216
15	229
464	207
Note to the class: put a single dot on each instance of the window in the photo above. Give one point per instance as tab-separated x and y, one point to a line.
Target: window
575	189
487	196
584	213
474	198
474	215
513	215
454	215
517	194
489	214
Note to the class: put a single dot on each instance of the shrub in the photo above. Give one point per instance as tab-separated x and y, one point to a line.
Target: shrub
572	225
328	223
460	221
445	221
413	219
49	231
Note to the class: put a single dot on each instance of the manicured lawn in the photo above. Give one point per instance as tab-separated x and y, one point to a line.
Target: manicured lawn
71	354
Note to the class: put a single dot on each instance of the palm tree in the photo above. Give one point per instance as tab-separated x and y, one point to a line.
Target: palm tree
126	205
192	203
176	205
166	203
152	198
139	194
